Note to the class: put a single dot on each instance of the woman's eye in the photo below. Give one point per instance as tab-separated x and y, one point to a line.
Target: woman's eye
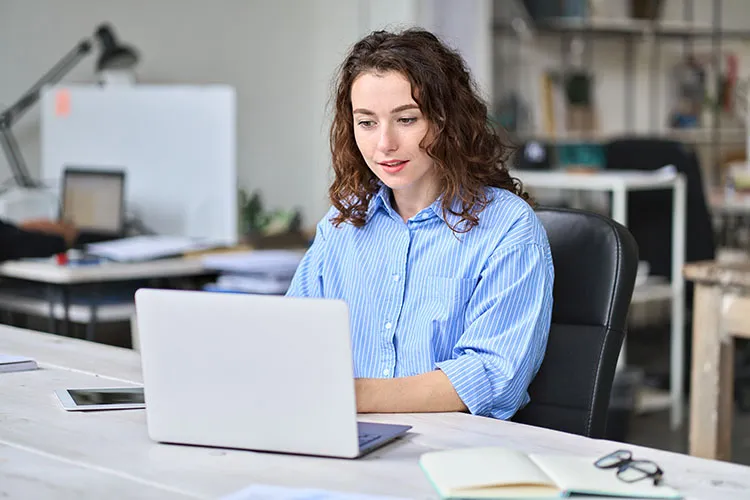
407	121
366	123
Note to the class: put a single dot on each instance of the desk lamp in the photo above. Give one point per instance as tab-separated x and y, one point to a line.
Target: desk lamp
113	57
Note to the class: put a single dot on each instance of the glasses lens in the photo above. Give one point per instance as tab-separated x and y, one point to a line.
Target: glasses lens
639	469
613	459
631	474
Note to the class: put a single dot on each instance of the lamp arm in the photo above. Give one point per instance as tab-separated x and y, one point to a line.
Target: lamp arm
8	142
63	66
15	159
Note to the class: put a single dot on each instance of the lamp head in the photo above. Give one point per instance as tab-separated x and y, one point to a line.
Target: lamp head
113	55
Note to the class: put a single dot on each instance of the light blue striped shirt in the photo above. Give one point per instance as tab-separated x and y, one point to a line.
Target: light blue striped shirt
475	305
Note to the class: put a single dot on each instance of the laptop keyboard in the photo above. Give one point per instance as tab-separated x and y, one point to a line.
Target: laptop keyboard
365	438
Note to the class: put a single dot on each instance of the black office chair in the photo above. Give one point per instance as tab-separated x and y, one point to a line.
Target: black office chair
650	222
595	262
650	212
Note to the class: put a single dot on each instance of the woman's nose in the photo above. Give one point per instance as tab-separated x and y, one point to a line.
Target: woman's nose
388	140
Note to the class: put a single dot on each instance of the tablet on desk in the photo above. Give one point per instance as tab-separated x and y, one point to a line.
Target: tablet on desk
111	398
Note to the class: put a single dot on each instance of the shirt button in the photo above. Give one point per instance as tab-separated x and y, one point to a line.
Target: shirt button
386	372
388	325
396	277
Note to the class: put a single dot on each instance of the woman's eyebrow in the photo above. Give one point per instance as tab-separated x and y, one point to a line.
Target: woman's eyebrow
398	109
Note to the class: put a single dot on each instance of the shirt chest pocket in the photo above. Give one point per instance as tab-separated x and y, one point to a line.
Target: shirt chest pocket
447	300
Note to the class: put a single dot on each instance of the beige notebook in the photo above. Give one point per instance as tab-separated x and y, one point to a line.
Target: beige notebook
503	473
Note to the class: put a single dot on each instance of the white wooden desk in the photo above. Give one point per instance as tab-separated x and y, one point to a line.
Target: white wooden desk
62	278
92	455
720	311
619	183
47	272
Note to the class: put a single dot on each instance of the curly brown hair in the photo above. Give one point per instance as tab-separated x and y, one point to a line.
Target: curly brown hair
468	151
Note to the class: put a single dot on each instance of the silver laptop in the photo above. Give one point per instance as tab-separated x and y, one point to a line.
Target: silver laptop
256	372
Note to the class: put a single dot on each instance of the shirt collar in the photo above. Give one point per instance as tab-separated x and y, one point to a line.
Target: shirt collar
449	217
382	199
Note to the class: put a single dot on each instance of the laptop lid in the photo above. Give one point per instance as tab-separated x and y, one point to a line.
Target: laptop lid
257	372
94	200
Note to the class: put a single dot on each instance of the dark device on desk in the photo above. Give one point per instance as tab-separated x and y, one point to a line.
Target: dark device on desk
534	155
94	201
109	398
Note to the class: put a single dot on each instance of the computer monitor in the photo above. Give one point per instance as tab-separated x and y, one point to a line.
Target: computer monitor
94	200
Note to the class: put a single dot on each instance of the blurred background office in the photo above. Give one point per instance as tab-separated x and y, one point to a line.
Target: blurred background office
580	86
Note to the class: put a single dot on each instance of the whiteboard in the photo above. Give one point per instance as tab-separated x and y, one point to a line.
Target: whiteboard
176	144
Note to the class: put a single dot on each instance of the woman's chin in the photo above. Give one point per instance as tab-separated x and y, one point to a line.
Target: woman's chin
394	182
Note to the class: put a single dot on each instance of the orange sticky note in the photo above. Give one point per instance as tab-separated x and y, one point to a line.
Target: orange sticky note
62	102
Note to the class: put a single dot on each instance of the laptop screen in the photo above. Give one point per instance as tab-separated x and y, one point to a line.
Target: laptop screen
93	200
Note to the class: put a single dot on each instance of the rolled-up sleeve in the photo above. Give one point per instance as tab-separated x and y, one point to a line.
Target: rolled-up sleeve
507	326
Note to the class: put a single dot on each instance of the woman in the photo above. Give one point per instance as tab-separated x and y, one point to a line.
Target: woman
445	267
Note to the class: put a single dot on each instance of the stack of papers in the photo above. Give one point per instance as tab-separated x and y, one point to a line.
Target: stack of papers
256	271
11	363
148	247
278	263
266	285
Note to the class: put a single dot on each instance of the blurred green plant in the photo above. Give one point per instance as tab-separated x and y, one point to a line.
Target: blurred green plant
255	220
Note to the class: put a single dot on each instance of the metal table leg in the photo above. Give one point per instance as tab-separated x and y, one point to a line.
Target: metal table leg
93	309
52	299
66	330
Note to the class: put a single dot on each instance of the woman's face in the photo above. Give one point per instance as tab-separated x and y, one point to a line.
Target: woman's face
389	128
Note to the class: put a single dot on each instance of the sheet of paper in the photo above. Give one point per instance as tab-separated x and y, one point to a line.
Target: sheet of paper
267	492
148	247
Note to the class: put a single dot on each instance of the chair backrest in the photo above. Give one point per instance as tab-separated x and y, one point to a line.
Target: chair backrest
595	261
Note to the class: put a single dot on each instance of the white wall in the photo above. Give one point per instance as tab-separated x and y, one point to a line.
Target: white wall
280	55
467	26
261	48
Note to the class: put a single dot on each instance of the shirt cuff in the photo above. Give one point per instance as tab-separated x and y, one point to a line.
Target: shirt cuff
470	380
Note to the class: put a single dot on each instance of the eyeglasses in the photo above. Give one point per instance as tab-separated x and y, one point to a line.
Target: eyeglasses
630	470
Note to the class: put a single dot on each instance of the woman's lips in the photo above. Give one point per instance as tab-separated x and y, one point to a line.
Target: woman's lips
393	167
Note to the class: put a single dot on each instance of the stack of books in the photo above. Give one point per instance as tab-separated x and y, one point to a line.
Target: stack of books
266	272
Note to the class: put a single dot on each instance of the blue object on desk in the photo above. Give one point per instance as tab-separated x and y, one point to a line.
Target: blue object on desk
85	261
